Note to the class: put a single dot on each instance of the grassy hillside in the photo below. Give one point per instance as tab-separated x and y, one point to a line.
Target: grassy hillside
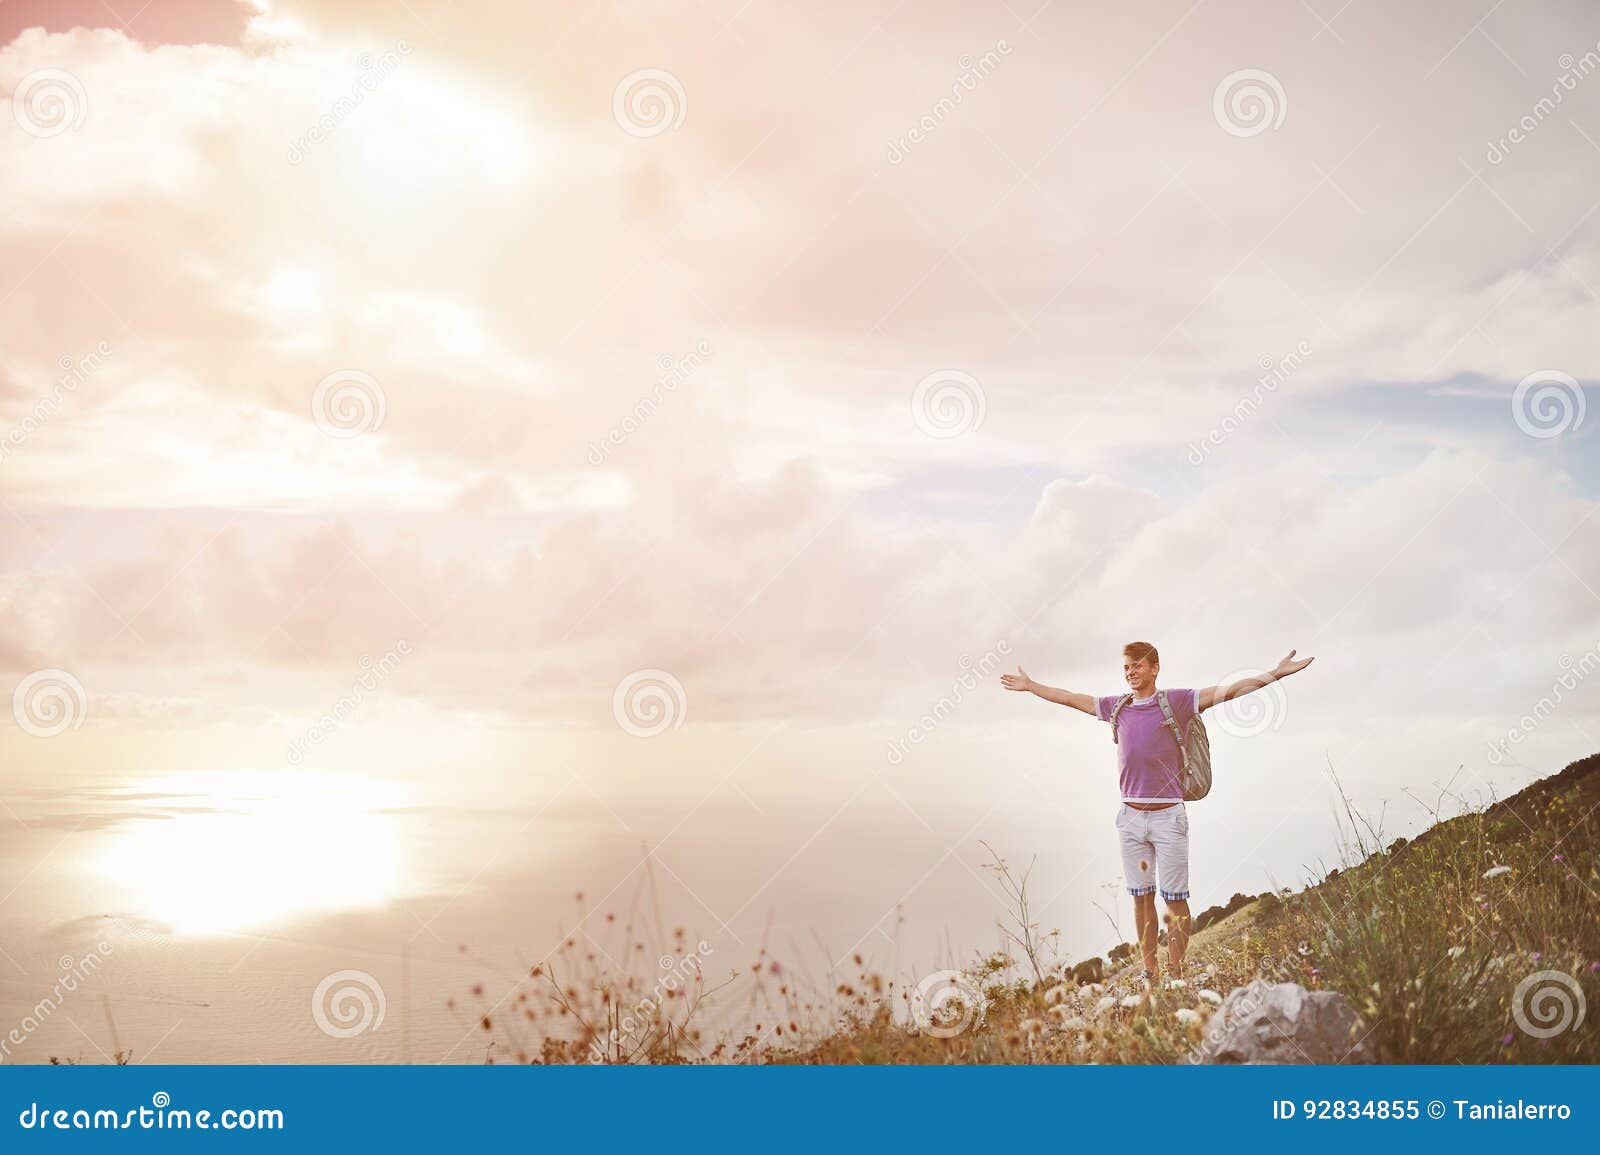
1429	939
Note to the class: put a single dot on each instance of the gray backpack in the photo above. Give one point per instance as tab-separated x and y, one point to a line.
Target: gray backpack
1195	746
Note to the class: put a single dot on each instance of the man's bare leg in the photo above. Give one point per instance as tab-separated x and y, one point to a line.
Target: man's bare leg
1148	927
1177	934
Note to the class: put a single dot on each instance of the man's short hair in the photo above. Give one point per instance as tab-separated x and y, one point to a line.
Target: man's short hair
1139	651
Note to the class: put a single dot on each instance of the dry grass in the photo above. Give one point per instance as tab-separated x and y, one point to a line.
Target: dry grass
1429	940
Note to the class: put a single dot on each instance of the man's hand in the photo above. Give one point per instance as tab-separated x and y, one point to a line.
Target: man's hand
1289	666
1017	681
1216	695
1021	681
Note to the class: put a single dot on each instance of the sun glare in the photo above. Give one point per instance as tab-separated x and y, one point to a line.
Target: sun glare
250	850
292	290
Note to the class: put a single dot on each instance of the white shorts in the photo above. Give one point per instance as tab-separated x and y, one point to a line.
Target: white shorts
1155	841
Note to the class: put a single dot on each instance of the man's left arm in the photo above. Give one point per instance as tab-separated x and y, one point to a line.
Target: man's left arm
1216	695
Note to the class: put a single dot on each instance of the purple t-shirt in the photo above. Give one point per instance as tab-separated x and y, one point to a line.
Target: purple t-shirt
1149	763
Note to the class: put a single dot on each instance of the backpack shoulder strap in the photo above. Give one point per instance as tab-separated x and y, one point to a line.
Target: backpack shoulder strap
1171	724
1116	710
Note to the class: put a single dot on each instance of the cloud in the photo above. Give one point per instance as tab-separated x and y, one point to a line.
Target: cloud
739	311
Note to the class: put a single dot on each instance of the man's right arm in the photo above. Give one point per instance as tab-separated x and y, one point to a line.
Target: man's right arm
1021	682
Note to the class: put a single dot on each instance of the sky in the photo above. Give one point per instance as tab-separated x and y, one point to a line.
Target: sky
646	416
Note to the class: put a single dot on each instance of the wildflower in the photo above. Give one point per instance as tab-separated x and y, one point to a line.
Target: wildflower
1186	1015
1496	871
1534	957
1055	995
1103	1006
1456	951
1211	997
1131	1001
1176	984
1506	1039
1032	1027
1315	971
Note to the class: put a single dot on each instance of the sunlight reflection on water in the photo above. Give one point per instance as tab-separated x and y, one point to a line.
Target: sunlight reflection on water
265	847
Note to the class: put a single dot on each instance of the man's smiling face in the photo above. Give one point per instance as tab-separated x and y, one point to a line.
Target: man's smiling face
1140	676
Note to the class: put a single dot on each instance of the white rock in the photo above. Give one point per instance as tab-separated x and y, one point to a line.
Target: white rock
1267	1022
